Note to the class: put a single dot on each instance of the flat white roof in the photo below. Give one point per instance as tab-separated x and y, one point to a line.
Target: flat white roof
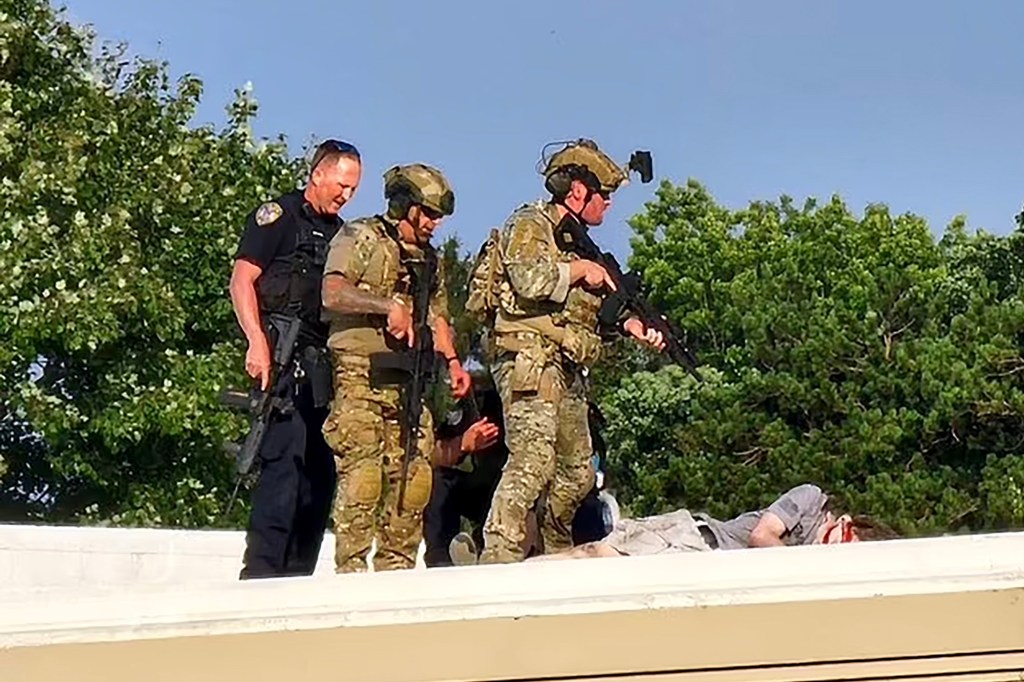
938	605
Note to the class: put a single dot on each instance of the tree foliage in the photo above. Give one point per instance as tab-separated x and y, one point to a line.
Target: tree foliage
859	353
117	224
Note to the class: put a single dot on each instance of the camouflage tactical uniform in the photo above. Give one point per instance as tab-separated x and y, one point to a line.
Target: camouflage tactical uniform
543	338
363	426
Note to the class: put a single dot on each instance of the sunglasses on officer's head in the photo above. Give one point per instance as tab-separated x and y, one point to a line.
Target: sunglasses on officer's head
340	147
334	147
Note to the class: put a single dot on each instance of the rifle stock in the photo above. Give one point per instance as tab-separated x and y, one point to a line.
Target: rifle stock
262	404
573	236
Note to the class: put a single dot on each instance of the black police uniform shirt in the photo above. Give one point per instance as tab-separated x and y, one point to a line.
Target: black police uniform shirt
288	240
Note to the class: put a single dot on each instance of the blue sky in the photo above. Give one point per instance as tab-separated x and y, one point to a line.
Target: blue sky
918	105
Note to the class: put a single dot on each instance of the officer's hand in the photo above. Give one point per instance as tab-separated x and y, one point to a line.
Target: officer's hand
593	275
480	436
257	361
460	379
400	322
635	328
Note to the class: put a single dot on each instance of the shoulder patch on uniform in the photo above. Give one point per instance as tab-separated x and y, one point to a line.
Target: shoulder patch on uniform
268	213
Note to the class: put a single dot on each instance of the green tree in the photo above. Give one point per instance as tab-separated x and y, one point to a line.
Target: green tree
856	352
457	266
118	220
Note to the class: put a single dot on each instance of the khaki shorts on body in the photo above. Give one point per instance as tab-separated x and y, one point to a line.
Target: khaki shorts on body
662	534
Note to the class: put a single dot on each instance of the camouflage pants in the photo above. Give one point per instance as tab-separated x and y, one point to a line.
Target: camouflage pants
363	430
548	439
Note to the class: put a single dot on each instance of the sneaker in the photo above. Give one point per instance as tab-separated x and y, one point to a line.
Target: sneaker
462	550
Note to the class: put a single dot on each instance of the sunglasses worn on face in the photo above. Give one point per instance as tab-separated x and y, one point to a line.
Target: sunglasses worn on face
431	213
600	191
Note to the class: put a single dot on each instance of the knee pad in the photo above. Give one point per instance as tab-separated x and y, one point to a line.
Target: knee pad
363	483
419	485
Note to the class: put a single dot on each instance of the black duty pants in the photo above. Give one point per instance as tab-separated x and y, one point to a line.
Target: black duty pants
455	494
292	500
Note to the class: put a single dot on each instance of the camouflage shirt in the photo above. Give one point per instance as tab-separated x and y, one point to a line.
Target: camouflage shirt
535	288
366	254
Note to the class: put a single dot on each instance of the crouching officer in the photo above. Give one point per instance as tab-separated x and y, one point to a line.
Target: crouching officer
468	459
367	294
276	276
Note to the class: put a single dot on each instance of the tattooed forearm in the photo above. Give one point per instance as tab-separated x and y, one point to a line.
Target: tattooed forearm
341	296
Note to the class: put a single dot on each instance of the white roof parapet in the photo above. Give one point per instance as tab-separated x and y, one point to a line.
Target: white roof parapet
612	614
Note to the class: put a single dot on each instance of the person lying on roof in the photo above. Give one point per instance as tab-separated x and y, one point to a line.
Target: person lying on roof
802	516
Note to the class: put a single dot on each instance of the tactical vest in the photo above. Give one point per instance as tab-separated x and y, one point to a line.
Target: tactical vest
485	277
385	274
404	286
291	284
571	326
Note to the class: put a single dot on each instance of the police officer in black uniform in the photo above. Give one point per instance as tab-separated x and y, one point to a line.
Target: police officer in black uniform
278	270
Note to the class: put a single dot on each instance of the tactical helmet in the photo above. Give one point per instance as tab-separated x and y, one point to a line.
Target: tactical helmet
417	183
582	160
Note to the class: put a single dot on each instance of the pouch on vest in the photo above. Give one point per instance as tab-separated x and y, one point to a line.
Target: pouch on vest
273	290
484	280
582	347
529	365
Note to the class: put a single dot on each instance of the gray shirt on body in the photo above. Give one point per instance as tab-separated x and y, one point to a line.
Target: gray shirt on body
801	510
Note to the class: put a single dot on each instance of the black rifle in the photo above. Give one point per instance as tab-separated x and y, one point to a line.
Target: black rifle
414	369
283	332
572	236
